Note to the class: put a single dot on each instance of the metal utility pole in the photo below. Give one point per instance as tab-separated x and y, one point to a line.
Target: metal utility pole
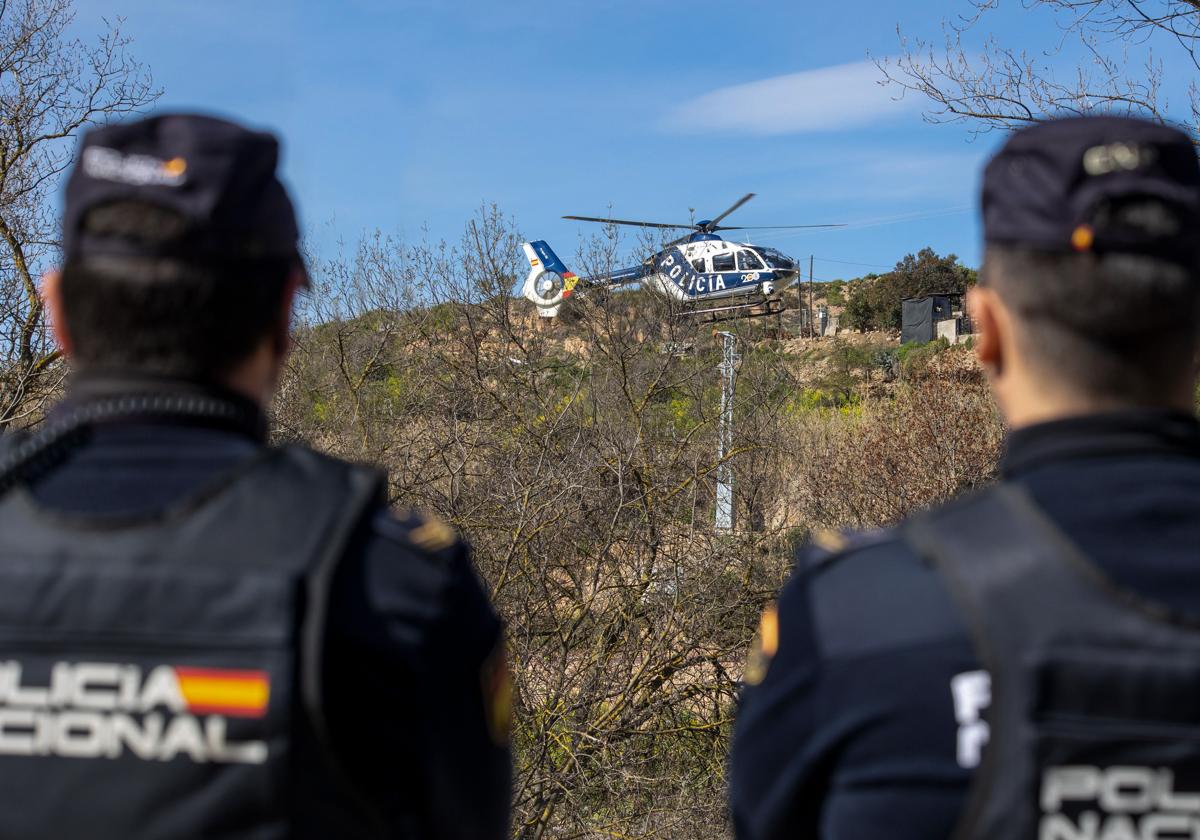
728	368
812	326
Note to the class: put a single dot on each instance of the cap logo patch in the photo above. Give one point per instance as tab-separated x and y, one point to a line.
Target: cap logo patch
175	166
135	170
1117	157
1082	238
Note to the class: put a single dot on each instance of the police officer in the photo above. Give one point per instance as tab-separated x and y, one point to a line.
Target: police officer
201	635
1025	662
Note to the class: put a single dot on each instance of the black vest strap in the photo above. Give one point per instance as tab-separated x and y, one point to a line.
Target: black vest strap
365	494
1084	674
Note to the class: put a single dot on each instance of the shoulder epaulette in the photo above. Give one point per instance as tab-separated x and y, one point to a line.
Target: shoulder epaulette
432	534
419	529
9	440
827	545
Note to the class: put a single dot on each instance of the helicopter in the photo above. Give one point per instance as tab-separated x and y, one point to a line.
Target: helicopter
711	275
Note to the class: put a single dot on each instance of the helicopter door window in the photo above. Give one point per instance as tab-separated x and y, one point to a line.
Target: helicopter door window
749	261
722	262
699	265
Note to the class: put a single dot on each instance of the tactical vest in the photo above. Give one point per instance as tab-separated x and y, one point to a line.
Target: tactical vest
1095	692
160	677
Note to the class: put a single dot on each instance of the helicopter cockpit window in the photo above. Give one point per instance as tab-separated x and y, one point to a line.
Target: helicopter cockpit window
722	262
699	265
777	260
749	261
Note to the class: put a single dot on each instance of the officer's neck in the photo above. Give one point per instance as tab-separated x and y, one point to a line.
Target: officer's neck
256	377
1030	400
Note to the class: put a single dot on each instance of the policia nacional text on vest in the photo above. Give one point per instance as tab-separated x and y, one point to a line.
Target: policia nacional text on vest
1095	693
160	676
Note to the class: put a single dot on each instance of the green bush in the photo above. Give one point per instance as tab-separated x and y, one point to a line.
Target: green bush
914	358
835	293
874	303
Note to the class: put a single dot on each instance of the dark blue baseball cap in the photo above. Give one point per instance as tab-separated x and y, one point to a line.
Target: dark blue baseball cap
1102	184
215	179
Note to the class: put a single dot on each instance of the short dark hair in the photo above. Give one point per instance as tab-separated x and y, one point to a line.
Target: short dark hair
170	316
1120	327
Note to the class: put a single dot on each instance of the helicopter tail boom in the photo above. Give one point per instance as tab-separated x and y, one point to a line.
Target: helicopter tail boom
549	282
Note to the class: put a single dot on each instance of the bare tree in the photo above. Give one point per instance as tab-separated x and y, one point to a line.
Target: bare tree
579	459
51	86
998	86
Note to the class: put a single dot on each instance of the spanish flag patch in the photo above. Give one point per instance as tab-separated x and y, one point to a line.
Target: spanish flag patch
497	694
222	691
762	649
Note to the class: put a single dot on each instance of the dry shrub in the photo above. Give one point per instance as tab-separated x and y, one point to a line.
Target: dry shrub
872	466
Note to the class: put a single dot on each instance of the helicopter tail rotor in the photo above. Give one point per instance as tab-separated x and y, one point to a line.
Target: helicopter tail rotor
548	283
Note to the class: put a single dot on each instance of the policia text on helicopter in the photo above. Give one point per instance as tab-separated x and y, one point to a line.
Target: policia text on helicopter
203	636
1025	662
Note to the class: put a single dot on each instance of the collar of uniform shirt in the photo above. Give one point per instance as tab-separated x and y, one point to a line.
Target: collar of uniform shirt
1130	432
93	386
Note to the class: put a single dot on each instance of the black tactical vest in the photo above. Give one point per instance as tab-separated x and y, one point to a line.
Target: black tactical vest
1095	692
160	677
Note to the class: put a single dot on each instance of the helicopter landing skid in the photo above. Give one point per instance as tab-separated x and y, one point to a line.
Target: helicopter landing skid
754	309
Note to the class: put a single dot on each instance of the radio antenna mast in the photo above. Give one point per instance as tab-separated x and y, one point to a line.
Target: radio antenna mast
728	368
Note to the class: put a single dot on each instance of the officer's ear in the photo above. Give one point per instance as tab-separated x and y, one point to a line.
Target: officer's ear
987	312
52	297
283	333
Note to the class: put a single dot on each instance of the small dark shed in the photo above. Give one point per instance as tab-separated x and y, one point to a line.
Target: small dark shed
919	317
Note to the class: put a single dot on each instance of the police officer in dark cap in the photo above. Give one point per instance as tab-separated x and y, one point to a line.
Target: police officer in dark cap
202	635
1025	662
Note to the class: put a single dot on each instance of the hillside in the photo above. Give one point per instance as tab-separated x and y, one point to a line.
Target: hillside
579	459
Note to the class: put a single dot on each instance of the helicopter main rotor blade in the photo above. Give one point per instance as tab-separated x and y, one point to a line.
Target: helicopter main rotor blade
776	227
735	206
627	222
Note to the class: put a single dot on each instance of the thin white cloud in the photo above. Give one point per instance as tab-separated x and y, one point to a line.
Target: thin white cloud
824	99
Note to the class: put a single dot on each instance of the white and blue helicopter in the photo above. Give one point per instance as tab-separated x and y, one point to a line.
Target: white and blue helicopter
711	275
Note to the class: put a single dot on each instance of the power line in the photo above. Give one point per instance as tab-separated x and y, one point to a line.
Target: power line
914	216
849	262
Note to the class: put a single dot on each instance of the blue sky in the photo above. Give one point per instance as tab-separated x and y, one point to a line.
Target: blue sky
409	115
